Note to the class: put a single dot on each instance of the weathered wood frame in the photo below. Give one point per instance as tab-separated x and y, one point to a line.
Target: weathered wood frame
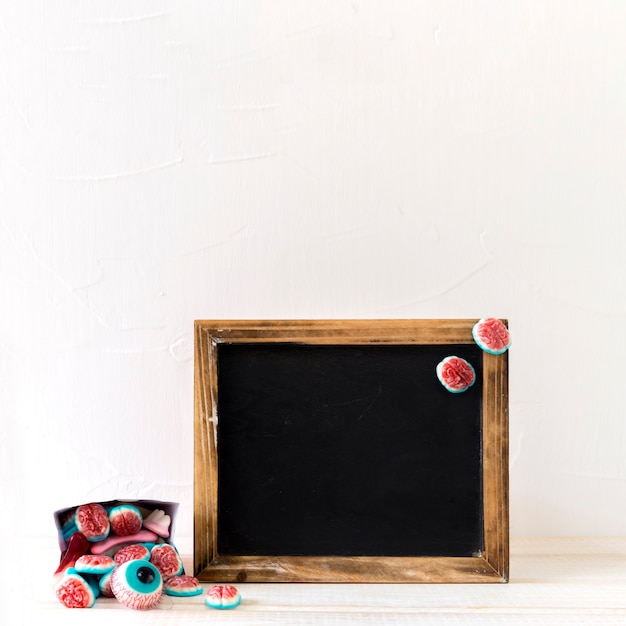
492	565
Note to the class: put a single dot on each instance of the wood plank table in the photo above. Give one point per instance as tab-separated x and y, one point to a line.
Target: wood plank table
553	581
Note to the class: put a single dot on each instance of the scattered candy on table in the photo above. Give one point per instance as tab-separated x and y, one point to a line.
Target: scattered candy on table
182	586
222	597
118	550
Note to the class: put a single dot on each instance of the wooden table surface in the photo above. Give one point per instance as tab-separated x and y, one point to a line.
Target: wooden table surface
553	581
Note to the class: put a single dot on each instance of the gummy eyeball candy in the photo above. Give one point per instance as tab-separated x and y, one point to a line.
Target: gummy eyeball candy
137	584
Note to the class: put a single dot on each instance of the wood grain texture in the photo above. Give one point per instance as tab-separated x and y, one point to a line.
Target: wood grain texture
332	569
205	451
489	566
496	462
557	581
339	332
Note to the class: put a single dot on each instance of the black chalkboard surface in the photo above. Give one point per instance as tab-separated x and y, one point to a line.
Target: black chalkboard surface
341	450
331	451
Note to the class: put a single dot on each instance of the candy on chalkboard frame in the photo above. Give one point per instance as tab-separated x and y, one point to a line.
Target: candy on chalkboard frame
492	335
456	374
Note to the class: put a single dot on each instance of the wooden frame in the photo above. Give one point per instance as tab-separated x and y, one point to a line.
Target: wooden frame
489	565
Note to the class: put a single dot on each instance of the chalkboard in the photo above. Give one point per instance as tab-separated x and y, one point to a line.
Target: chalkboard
330	451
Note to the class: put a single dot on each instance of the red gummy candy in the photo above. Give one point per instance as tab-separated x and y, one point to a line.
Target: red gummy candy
456	374
224	592
222	597
492	335
93	521
74	593
125	520
131	553
166	560
183	586
94	564
77	546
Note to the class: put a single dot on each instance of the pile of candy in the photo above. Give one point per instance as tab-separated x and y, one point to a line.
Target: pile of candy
122	552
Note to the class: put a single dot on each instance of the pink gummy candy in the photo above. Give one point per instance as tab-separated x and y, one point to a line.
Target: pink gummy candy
93	521
131	553
455	374
94	564
183	586
158	522
143	536
222	597
74	593
125	520
492	335
166	560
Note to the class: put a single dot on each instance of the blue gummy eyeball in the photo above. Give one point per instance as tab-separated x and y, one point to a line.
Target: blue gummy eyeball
137	584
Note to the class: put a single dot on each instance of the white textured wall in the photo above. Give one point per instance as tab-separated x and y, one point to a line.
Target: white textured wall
165	161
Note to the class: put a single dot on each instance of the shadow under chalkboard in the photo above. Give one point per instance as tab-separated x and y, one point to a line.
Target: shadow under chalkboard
347	450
